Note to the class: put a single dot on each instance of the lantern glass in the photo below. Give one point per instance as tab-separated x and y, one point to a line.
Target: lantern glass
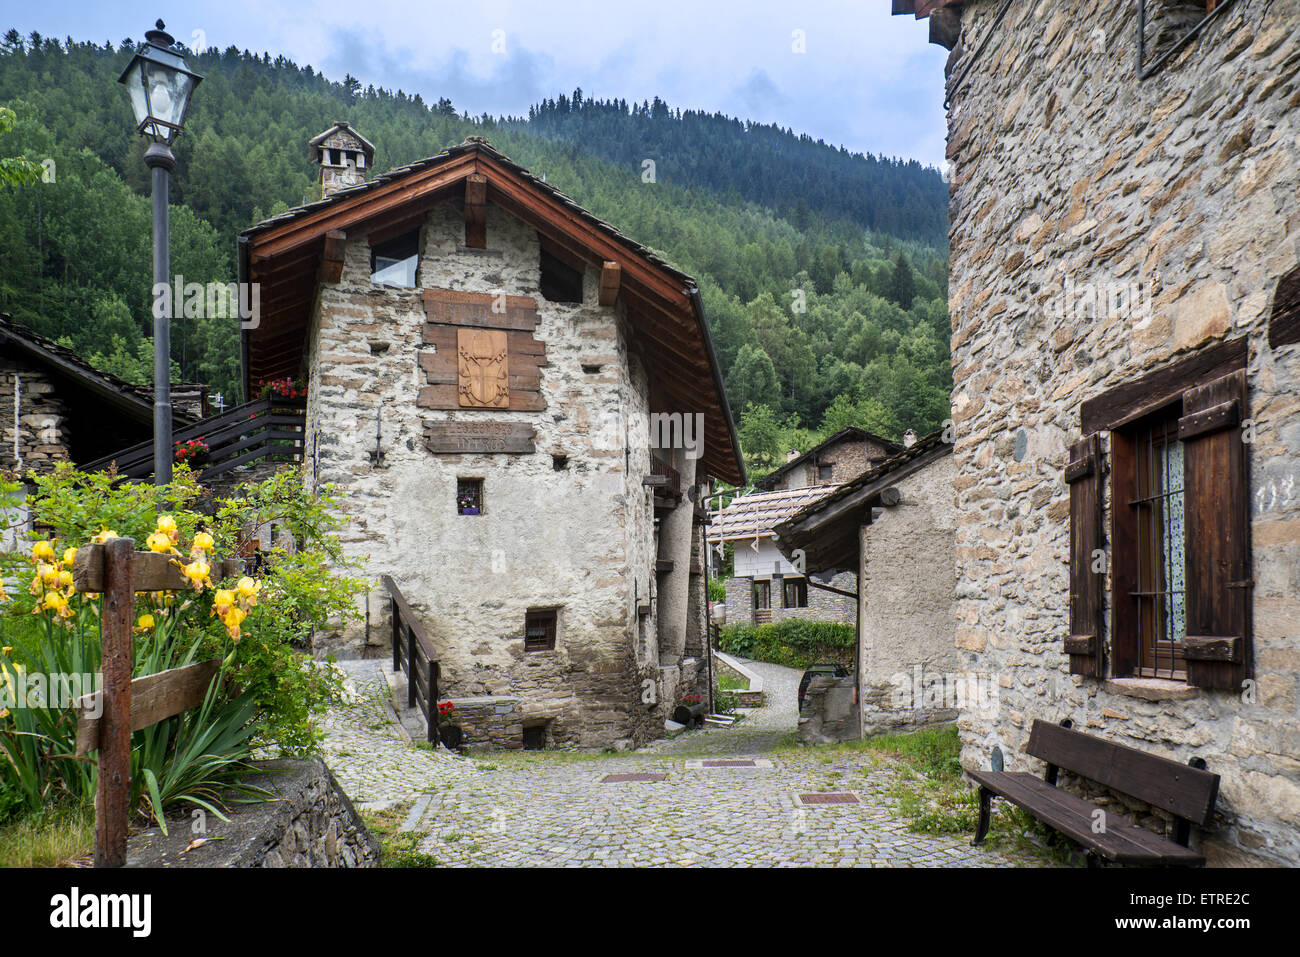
160	84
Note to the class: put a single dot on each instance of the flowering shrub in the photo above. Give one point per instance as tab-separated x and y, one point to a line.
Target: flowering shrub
267	693
191	450
284	388
446	712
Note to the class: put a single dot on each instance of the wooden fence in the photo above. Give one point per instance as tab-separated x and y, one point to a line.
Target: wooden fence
413	652
117	571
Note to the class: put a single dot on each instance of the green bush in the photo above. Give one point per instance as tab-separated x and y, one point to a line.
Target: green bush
795	642
267	695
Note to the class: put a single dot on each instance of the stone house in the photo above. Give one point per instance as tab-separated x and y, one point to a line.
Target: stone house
518	407
1125	243
765	586
895	527
56	407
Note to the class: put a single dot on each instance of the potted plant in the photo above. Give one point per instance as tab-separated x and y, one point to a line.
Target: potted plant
450	733
468	506
194	451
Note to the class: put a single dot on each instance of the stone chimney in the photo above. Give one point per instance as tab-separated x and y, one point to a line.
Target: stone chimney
343	155
909	438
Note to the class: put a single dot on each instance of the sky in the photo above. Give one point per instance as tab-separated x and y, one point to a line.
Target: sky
843	71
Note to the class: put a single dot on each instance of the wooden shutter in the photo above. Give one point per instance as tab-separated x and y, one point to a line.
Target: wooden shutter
1216	498
1083	473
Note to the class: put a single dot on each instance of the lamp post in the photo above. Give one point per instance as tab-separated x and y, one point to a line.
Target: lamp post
160	84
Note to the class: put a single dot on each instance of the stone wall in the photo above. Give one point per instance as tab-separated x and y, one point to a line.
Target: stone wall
822	605
569	526
1071	174
37	422
908	583
310	823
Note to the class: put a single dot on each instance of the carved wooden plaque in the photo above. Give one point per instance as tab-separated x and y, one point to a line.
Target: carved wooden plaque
483	379
449	438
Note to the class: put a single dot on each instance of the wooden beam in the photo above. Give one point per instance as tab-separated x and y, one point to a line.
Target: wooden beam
373	203
476	211
153	698
331	265
610	277
112	794
151	571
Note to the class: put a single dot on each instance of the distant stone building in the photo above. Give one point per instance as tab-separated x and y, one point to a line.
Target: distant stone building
56	407
895	527
765	586
519	407
1125	299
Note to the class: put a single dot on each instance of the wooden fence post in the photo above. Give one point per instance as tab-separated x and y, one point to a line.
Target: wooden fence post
113	789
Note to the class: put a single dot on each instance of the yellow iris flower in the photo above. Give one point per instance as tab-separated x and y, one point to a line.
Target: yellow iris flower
43	552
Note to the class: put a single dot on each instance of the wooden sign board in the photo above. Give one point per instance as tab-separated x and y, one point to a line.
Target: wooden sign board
453	438
152	571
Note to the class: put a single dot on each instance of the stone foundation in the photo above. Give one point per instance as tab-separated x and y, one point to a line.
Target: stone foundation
310	823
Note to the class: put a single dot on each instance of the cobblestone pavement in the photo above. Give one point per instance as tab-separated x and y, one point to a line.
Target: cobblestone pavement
553	809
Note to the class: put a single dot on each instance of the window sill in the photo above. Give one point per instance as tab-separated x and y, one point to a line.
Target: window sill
1151	689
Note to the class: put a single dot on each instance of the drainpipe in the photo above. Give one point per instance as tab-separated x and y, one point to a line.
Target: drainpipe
18	453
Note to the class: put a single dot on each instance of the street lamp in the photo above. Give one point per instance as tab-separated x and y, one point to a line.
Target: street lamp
160	84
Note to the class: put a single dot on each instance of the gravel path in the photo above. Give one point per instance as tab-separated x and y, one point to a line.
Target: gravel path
554	808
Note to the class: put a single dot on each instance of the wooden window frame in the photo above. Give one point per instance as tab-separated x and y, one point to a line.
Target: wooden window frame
546	619
1209	395
801	592
405	240
1138	593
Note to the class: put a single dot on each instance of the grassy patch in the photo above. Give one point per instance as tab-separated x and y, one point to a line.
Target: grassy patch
931	794
397	848
49	838
729	682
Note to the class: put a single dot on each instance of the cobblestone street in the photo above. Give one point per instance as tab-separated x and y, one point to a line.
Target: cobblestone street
553	808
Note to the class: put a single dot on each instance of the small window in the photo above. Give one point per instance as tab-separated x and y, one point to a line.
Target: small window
825	473
469	496
334	158
560	281
559	462
539	630
534	737
796	593
393	263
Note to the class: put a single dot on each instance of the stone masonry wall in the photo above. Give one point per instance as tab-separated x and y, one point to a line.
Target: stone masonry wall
579	538
822	605
41	415
1070	173
908	583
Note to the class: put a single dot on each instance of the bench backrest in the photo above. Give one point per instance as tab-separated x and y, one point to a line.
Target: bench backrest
1180	789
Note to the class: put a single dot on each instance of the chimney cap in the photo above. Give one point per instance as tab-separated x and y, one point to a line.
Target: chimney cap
315	144
909	438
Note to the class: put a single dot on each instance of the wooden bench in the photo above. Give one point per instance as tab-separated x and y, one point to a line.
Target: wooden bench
1186	791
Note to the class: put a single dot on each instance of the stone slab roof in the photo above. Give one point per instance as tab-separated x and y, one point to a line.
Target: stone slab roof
755	516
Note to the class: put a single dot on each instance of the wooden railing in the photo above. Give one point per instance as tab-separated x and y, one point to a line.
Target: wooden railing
271	428
413	653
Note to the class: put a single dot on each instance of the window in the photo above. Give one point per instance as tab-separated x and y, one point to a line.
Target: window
469	496
560	281
762	595
1157	507
393	263
796	593
1178	520
539	630
825	473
